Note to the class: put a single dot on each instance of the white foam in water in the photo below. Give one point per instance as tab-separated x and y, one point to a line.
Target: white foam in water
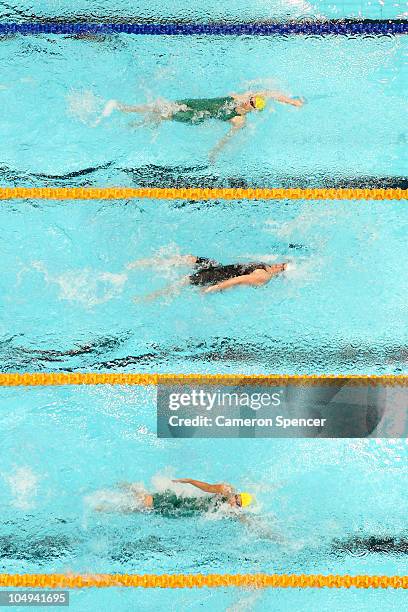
245	603
309	223
90	288
116	500
303	271
298	8
164	482
166	260
85	106
86	287
144	434
300	5
264	258
381	453
23	483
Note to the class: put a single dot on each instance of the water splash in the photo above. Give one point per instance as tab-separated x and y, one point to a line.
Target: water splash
246	603
23	484
84	105
304	271
86	287
127	498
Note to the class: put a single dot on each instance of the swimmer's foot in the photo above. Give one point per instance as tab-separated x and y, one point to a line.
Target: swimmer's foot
110	107
298	101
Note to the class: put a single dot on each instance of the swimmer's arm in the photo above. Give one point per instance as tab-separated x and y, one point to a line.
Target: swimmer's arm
172	289
218	489
280	97
176	260
252	279
236	124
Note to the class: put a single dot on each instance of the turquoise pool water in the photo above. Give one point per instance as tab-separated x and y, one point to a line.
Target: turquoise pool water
71	297
352	130
323	506
340	308
236	600
335	506
211	10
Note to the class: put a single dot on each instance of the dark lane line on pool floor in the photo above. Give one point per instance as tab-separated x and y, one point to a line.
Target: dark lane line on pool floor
200	176
164	176
216	351
375	544
50	547
336	27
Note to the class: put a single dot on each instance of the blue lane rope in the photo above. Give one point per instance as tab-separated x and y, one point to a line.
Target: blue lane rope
347	27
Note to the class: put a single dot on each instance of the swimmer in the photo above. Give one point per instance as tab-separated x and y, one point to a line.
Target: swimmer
213	276
232	109
170	504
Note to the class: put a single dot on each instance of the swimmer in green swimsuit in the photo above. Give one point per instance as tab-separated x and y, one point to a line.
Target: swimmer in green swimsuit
171	505
193	111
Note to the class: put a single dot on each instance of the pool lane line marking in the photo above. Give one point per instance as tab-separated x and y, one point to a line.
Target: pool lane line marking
34	379
339	27
182	581
228	193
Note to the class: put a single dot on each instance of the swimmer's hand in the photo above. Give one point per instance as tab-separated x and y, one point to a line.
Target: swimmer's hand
298	102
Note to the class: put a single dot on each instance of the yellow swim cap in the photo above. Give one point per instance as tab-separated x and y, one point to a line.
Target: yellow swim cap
246	499
260	103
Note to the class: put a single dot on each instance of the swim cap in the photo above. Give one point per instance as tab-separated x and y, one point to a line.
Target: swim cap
246	499
260	103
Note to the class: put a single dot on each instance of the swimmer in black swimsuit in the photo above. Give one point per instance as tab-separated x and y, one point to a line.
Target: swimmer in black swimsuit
213	276
216	277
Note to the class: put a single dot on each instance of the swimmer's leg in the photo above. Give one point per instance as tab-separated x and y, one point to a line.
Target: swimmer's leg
135	487
112	105
144	109
168	291
131	499
141	108
150	120
176	260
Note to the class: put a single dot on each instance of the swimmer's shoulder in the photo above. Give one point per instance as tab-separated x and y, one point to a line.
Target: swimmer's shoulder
226	489
238	121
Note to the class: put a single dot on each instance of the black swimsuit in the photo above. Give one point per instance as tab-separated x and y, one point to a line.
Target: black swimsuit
210	272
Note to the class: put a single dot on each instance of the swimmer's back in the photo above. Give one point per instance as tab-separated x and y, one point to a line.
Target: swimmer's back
201	109
209	272
171	505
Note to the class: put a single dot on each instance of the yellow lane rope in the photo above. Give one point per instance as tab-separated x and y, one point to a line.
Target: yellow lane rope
97	378
117	193
301	581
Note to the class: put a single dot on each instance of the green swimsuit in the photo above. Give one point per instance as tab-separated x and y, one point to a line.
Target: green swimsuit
171	505
202	109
